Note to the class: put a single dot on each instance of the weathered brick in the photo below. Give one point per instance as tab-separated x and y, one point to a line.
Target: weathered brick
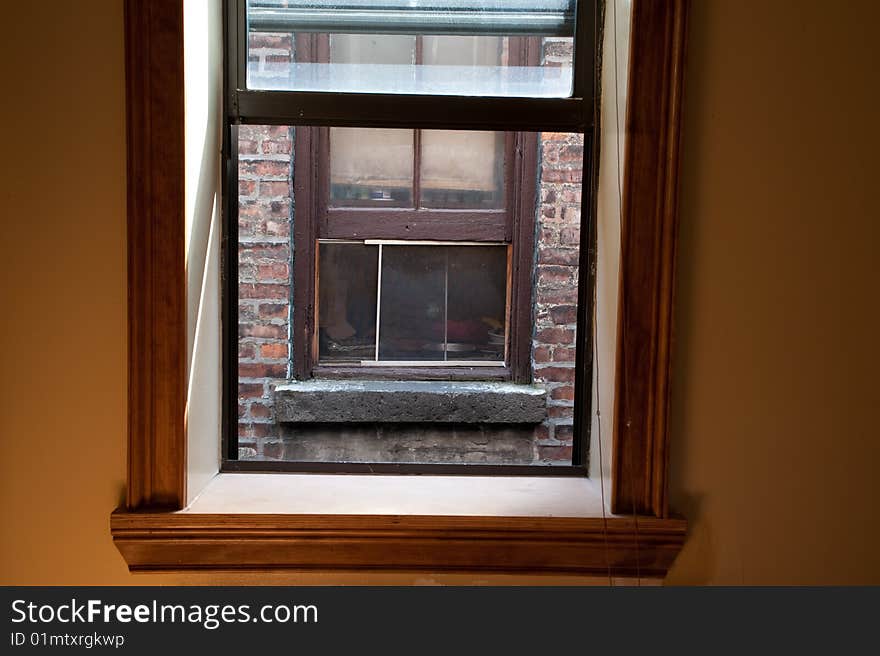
270	40
250	390
564	433
565	393
247	312
253	430
572	214
262	369
263	291
272	272
571	153
274	188
571	195
558	296
260	411
277	146
562	175
264	168
564	354
273	450
554	255
560	412
247	146
269	311
262	331
554	275
263	253
570	236
542	354
555	336
555	374
554	453
274	351
265	209
563	314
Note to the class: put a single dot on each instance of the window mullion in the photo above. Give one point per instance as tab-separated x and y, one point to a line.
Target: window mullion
378	301
378	110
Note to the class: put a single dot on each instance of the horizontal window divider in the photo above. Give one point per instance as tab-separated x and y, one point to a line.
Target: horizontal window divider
255	466
420	212
431	363
430	242
356	372
518	18
491	228
305	108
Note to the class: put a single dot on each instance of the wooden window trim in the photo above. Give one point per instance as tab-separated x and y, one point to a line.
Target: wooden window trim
642	537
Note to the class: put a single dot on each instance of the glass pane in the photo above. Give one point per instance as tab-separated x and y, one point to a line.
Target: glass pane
443	303
462	170
443	47
347	302
372	49
477	303
371	166
413	303
453	50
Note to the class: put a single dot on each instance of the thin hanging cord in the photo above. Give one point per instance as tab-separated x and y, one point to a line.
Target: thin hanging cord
599	426
620	229
598	388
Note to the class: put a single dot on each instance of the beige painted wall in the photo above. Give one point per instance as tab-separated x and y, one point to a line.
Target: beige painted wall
775	439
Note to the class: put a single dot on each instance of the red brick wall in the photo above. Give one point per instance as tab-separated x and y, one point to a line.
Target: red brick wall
265	219
264	266
555	292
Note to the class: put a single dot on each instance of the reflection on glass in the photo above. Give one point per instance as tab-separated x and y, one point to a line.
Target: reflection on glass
446	50
442	47
462	170
347	302
443	303
371	166
476	302
372	49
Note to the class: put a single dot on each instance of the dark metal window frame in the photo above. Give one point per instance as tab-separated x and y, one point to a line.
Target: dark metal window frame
340	109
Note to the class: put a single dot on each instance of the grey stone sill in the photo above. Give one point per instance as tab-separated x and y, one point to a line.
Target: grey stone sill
378	401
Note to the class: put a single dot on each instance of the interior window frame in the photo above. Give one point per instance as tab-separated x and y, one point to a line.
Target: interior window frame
642	536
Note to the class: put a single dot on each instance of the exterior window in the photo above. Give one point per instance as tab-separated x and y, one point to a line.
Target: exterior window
415	248
401	250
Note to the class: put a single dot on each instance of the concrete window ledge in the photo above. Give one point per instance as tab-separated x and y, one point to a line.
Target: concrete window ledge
320	401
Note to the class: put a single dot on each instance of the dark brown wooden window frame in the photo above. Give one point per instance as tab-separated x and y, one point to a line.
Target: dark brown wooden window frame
317	218
641	537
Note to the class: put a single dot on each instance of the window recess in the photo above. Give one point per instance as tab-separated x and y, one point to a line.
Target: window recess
228	530
410	206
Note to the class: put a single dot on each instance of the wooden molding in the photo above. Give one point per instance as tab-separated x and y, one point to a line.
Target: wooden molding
547	545
156	260
648	236
151	538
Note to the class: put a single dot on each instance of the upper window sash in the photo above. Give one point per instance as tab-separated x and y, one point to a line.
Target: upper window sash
420	109
481	17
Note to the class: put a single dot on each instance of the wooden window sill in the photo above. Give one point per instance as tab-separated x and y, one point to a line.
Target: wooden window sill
325	522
